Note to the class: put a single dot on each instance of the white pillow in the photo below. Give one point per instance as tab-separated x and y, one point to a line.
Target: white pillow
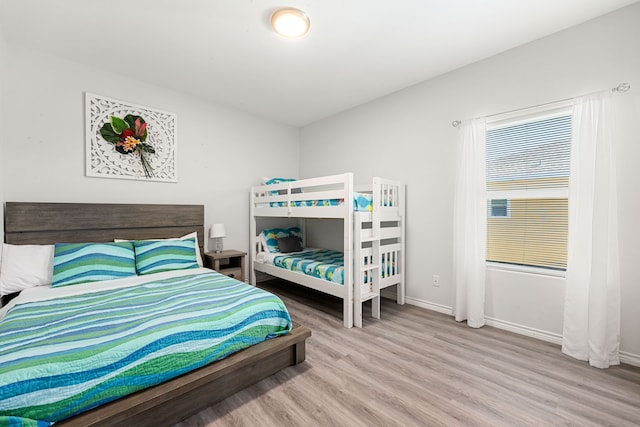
187	236
25	266
263	242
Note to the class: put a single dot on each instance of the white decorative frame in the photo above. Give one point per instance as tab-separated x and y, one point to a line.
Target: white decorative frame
102	160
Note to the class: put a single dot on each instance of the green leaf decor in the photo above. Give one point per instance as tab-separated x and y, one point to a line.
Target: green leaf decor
129	136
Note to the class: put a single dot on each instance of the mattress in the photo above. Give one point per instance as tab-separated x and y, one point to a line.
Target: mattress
321	263
67	350
362	202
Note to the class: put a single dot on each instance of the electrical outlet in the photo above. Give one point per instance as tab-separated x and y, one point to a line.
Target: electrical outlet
436	280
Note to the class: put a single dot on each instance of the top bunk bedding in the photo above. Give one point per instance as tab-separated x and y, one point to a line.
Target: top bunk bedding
69	349
325	197
361	203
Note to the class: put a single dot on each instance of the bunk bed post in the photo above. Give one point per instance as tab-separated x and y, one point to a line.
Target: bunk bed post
400	289
348	303
358	271
252	238
378	197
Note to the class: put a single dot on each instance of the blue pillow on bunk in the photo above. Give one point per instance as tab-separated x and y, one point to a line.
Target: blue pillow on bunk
277	180
296	232
271	236
362	202
271	181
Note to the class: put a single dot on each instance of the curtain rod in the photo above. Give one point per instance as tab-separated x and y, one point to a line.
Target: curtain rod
621	88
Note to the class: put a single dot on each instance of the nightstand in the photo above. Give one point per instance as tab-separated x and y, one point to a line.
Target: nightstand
229	262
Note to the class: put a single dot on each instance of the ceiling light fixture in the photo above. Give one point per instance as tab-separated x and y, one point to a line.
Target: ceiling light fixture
290	22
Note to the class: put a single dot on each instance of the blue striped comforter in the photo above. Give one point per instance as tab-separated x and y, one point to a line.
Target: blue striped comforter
64	356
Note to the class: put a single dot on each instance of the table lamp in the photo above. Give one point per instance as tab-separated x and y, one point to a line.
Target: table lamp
217	233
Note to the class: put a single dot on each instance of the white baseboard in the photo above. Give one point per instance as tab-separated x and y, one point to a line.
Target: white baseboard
625	357
429	305
630	358
524	330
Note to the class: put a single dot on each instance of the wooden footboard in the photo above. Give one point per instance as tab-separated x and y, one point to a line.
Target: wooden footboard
177	399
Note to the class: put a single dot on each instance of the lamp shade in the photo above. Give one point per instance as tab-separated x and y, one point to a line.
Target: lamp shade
217	231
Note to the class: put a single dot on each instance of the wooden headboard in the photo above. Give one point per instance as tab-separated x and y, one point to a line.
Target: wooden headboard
48	223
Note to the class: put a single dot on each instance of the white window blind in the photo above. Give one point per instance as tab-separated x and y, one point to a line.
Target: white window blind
527	185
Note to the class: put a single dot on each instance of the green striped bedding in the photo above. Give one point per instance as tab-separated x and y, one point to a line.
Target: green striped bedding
63	356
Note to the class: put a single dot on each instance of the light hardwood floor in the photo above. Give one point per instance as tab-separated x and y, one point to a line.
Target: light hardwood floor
416	367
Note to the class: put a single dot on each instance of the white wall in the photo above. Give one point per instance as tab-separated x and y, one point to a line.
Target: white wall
2	138
408	136
221	152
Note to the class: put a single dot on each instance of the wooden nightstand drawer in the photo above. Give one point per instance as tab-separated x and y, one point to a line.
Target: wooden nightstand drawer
229	262
234	273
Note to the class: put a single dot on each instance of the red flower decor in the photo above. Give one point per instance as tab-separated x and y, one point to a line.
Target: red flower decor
128	135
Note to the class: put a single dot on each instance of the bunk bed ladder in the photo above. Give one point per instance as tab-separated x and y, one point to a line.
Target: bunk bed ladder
367	270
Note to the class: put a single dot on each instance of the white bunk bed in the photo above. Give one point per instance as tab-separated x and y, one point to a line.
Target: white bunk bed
373	245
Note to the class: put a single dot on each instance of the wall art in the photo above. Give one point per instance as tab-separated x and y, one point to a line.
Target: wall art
129	141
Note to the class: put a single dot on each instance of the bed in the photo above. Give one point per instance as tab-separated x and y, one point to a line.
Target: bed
325	264
219	371
373	228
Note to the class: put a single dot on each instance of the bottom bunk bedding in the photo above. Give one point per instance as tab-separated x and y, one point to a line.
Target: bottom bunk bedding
66	350
321	263
324	264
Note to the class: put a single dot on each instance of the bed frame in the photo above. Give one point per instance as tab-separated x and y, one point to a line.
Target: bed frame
176	399
368	236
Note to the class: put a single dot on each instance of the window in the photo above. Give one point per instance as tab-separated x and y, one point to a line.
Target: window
499	208
527	185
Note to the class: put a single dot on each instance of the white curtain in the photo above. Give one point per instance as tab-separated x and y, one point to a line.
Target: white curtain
592	303
470	224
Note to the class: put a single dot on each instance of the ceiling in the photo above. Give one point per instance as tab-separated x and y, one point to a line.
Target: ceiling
225	51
